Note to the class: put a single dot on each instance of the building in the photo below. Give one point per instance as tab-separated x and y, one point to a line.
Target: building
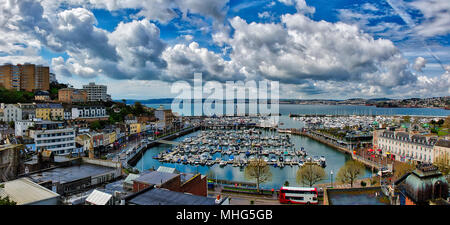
128	182
130	118
49	111
72	95
84	140
442	151
41	96
164	115
425	183
83	175
135	128
96	92
53	136
23	191
406	147
19	111
12	112
195	184
21	127
161	196
28	77
89	112
67	113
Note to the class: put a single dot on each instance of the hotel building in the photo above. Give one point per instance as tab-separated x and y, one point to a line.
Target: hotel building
406	147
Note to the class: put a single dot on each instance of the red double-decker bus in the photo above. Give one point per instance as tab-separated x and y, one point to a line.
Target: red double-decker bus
298	195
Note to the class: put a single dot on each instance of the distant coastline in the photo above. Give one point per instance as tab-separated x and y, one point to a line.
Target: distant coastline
426	103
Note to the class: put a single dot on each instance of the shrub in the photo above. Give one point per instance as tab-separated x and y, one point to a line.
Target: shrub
363	184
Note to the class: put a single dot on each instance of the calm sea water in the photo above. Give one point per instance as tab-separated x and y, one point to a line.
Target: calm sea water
285	109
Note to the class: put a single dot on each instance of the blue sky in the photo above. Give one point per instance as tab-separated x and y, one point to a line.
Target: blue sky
315	49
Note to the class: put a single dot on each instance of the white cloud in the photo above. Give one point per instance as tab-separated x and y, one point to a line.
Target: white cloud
300	5
419	63
300	48
437	17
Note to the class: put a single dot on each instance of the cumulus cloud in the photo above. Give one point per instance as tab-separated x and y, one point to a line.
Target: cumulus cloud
185	60
419	63
300	48
317	57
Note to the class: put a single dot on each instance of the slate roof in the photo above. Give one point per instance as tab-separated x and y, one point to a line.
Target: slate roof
159	196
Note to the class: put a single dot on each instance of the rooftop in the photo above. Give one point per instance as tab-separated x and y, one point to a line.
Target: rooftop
159	196
443	143
156	178
98	198
24	191
68	174
167	169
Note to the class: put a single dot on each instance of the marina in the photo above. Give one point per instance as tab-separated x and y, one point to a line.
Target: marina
239	146
228	162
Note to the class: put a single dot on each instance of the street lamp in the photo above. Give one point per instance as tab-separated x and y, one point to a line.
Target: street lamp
331	173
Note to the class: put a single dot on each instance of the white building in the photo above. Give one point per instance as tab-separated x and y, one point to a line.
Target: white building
22	126
53	136
407	146
12	112
19	111
96	92
88	112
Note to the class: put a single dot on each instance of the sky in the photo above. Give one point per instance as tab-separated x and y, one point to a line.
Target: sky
315	49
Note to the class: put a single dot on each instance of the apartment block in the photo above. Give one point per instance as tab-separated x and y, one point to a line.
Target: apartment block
28	77
96	92
53	136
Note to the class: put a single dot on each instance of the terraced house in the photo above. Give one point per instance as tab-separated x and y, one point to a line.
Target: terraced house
19	111
50	111
89	112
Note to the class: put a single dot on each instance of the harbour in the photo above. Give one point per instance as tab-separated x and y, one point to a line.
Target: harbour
228	163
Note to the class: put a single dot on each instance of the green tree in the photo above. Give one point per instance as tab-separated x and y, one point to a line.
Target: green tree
351	171
138	109
446	123
443	163
259	170
7	201
406	119
309	174
401	168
